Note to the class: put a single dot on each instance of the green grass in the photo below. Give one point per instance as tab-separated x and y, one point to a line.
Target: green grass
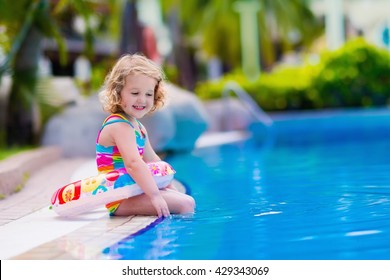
8	152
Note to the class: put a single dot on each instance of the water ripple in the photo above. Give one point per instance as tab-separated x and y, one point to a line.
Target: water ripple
320	201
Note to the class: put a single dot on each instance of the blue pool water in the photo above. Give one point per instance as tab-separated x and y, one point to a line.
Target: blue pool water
313	191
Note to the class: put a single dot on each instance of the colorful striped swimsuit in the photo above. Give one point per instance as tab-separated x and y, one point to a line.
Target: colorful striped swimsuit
108	158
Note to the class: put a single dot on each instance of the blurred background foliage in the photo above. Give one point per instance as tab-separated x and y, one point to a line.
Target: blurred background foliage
199	31
24	25
356	75
212	29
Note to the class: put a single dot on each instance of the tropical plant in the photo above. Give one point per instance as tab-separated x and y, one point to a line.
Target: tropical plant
214	27
26	23
356	75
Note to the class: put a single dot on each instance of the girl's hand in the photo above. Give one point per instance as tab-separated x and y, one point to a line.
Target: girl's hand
161	206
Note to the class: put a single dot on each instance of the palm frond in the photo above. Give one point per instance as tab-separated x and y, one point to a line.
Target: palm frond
17	42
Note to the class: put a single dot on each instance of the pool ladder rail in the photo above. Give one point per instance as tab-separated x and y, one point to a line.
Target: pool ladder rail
261	126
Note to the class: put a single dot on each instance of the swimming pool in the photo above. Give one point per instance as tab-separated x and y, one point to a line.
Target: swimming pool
319	189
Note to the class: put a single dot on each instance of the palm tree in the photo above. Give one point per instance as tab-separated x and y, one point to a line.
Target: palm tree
26	23
214	27
21	62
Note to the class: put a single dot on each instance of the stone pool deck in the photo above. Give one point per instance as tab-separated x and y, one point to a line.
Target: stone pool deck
30	230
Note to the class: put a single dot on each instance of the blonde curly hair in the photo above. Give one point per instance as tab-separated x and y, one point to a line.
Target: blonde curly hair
115	81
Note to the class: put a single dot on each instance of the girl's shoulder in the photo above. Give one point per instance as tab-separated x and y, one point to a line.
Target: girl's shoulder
116	118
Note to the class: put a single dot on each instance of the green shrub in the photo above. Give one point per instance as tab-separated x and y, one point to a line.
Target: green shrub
282	89
357	75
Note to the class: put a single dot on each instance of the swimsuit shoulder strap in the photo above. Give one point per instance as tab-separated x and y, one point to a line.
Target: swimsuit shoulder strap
108	121
141	128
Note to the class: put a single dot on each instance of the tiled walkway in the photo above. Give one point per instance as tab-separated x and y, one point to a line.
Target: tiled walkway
30	230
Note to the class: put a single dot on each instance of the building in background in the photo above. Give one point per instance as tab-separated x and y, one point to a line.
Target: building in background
367	18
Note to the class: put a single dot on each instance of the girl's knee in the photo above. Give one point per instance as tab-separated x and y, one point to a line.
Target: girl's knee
187	205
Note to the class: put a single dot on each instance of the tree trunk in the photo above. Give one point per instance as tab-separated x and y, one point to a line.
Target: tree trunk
20	124
131	31
182	57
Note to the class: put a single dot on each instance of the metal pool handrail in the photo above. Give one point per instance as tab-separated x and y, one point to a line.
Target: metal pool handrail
248	101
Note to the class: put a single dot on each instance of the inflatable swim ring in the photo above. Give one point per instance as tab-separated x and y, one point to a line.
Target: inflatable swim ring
87	194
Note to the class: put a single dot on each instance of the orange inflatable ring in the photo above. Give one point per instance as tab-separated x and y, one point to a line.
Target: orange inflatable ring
96	191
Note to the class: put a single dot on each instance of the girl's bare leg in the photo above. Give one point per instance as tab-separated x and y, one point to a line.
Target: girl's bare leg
178	203
171	187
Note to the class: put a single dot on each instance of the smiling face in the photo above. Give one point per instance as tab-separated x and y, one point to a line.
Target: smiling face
137	95
145	76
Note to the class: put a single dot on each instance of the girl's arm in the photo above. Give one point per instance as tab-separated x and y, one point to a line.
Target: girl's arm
149	153
124	138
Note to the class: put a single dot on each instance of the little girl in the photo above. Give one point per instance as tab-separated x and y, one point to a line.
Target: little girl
132	89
